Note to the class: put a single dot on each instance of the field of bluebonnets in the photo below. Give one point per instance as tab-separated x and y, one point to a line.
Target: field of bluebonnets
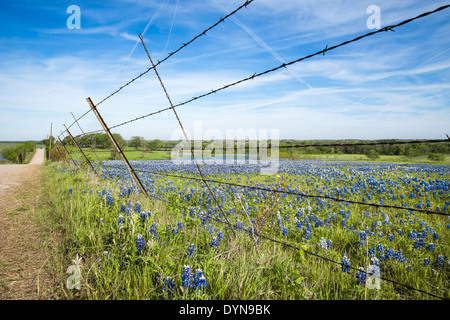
178	244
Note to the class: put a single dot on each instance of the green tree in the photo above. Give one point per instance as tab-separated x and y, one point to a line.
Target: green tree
154	144
436	157
372	154
136	142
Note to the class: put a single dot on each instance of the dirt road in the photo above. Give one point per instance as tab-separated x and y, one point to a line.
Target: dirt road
23	249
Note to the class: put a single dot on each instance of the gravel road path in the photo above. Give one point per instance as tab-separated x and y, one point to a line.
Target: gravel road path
23	249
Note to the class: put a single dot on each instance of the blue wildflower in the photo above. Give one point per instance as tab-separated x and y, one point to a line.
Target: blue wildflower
109	199
169	285
426	261
214	242
220	236
323	243
430	247
186	277
121	220
380	248
140	243
191	251
360	276
199	280
345	264
285	232
440	261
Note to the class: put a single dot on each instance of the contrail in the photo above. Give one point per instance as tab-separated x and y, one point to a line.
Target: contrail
265	46
155	15
170	32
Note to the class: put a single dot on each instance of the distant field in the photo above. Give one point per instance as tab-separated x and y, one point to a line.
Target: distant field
131	155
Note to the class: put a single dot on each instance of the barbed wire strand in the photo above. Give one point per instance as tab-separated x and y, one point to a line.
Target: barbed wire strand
284	65
203	33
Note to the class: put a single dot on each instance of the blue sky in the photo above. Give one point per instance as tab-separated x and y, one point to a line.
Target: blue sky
391	85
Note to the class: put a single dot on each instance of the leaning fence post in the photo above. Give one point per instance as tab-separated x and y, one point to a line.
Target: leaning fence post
68	153
79	149
116	145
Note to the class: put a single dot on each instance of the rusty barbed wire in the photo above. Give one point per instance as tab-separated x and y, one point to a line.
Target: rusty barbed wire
244	5
284	65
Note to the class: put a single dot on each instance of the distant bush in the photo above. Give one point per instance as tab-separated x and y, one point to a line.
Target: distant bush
372	154
436	157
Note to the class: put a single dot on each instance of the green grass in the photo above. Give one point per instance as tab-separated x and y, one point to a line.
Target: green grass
237	269
131	155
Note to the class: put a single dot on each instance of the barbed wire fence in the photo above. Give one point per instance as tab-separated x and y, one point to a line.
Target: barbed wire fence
205	181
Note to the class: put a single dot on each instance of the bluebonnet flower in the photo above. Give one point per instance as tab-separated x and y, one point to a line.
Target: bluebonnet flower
345	264
102	220
285	232
169	285
400	232
121	220
137	207
220	236
186	277
419	243
360	276
70	190
343	223
209	228
329	244
109	199
179	225
380	248
122	208
426	261
398	255
199	280
153	230
371	252
140	243
375	261
440	261
214	242
391	237
191	251
389	253
323	243
307	233
430	247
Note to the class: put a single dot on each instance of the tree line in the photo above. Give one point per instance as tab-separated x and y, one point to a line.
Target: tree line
20	152
435	151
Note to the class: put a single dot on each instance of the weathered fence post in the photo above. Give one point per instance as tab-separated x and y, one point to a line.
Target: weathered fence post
116	145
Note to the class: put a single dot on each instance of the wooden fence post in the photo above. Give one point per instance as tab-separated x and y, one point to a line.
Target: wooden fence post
116	145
